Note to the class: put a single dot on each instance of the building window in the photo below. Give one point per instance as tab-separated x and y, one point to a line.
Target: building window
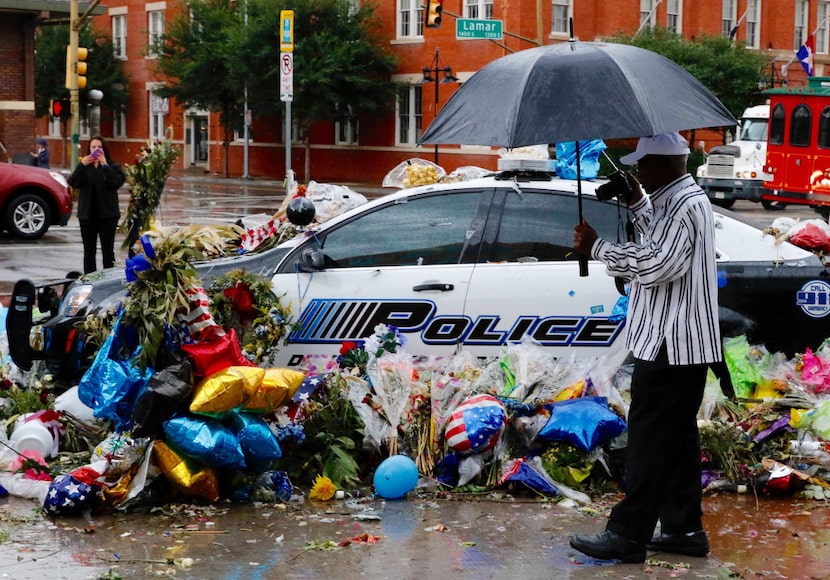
119	36
728	17
346	129
753	23
159	108
822	39
562	12
802	9
674	15
155	31
54	126
410	18
647	13
119	124
409	106
480	9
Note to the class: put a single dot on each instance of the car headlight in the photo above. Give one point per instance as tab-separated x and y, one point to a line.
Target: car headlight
75	300
59	178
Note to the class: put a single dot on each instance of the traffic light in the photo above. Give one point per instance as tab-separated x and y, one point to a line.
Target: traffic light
59	108
433	13
81	66
77	67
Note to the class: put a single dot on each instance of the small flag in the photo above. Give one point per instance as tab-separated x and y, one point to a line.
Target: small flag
734	32
805	55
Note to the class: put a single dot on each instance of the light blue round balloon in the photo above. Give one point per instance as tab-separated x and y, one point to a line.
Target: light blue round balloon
395	477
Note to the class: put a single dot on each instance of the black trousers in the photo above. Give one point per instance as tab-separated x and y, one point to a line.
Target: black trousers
662	462
91	231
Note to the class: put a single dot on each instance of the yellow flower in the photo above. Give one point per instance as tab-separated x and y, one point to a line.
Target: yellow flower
323	489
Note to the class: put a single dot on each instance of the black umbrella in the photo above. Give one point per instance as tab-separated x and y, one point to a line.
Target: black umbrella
575	91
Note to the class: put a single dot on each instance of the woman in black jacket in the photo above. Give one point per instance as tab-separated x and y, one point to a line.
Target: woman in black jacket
98	177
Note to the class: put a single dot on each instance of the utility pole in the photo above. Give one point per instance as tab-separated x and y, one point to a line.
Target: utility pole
72	76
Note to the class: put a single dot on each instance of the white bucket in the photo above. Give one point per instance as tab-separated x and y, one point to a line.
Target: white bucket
32	436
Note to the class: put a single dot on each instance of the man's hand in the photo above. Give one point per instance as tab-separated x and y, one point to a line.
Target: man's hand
636	190
584	238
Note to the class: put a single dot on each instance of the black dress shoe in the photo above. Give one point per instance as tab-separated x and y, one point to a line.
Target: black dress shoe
691	544
610	546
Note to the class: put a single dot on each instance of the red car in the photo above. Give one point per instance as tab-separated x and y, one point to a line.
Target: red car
32	199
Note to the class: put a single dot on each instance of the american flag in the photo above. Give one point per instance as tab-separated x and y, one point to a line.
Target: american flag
476	424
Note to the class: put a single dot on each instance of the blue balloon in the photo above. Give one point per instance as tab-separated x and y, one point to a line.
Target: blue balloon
395	477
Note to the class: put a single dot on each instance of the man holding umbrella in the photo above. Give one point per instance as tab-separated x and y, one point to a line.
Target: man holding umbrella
673	334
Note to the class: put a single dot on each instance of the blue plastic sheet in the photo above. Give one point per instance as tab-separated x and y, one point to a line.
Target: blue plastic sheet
589	152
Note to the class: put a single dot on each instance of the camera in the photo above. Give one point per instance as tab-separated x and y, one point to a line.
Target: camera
617	186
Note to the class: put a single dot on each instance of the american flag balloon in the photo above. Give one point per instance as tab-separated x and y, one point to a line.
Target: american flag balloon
476	424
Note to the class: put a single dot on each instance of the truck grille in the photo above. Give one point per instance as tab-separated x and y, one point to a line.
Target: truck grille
721	166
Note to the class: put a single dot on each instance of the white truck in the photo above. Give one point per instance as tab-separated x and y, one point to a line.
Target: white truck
736	171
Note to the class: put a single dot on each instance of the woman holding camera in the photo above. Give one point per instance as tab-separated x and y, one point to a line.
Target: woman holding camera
98	177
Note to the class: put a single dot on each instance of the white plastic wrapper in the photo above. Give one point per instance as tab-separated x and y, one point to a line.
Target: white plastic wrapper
528	152
414	172
332	200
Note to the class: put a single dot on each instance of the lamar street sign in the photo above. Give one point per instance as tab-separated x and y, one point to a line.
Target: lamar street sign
472	28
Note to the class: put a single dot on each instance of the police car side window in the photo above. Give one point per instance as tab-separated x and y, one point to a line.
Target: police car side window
425	230
539	226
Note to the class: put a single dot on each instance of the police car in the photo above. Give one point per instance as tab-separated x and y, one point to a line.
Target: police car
484	263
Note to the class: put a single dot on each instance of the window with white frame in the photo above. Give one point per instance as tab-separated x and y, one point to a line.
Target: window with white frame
802	9
480	9
119	36
297	135
346	128
410	18
159	107
119	124
674	15
728	16
54	126
647	13
753	23
823	14
155	30
409	115
560	21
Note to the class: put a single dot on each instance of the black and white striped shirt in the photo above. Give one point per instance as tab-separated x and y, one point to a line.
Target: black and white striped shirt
674	291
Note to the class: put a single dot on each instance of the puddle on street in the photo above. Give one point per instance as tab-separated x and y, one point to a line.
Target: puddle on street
769	537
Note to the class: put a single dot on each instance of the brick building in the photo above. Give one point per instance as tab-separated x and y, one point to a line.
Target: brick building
18	21
365	152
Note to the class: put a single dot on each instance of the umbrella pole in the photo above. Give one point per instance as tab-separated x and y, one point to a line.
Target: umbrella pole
583	259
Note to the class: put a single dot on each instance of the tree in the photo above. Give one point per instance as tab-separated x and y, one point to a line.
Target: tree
105	71
725	67
341	69
199	60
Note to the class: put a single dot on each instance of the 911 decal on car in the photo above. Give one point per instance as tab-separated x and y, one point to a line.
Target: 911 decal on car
814	298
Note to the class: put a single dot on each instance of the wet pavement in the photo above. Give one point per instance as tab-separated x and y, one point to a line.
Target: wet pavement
421	537
471	538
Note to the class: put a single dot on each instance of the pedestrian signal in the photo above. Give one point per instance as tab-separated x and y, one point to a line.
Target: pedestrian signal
59	108
433	14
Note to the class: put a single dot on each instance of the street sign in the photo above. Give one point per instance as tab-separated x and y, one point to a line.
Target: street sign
286	31
472	28
287	76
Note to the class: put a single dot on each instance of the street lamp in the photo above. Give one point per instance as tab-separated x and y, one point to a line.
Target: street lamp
94	96
433	74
